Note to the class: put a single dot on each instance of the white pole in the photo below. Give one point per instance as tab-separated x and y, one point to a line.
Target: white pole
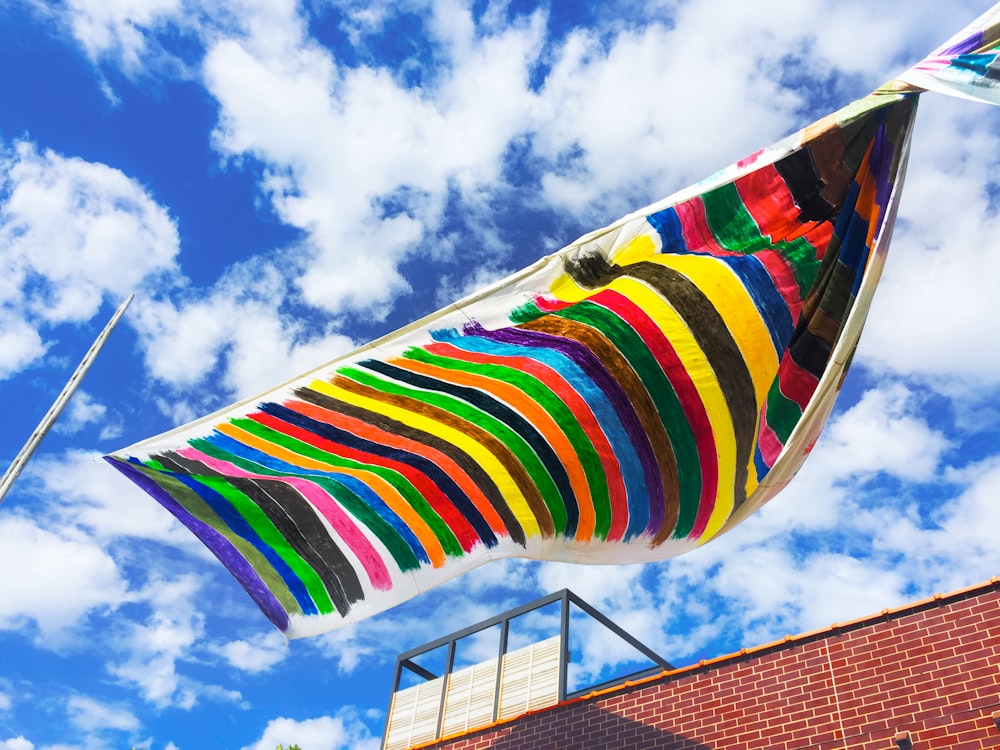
53	413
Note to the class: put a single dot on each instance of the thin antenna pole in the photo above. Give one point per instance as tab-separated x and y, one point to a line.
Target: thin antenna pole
56	409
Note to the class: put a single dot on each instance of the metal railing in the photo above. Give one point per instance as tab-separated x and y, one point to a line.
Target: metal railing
566	598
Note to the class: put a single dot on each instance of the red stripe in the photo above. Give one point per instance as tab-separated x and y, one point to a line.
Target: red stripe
694	225
579	408
462	529
680	380
795	383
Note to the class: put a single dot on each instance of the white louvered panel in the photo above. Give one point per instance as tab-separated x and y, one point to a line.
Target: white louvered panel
469	703
413	716
530	678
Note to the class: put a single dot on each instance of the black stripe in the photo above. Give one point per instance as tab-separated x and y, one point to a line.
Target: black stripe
506	415
295	519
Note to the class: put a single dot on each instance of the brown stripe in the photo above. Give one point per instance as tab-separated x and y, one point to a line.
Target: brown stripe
481	436
475	472
639	398
710	332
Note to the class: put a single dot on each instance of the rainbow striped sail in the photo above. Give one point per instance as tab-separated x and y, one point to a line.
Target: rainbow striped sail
623	400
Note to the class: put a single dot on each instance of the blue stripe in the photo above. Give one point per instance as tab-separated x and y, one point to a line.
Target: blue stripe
607	418
668	224
235	521
237	449
770	304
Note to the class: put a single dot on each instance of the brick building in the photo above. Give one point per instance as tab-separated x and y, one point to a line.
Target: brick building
926	675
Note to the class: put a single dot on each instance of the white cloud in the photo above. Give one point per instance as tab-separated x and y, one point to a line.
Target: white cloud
338	142
16	743
75	231
932	315
53	579
91	715
166	636
84	410
344	730
119	30
72	234
20	344
256	654
83	492
235	329
5	702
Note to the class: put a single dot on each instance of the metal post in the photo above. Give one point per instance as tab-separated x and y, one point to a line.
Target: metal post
392	698
14	470
563	645
504	632
444	686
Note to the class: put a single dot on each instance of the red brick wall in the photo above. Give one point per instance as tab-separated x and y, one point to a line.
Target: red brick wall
932	669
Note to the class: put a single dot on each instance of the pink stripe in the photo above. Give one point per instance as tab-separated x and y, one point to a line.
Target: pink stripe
373	564
770	446
694	226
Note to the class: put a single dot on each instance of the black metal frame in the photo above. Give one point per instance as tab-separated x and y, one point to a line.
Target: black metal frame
565	597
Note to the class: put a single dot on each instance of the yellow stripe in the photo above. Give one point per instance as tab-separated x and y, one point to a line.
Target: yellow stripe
724	288
479	453
701	373
726	292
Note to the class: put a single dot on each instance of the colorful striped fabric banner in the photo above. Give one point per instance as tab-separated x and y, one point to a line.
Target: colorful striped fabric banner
623	400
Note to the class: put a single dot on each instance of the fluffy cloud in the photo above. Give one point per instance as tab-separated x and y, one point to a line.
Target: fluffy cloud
341	731
155	645
84	494
118	30
256	654
16	743
91	715
932	316
72	234
358	160
36	584
83	411
234	330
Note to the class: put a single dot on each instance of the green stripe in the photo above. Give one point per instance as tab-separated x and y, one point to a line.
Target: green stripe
438	526
269	535
735	229
782	413
514	442
201	510
398	547
539	392
636	351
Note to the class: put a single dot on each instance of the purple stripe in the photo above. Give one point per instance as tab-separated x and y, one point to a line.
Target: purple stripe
587	361
221	547
882	156
969	44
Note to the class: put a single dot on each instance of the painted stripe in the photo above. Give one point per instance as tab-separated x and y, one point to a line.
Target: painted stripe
428	419
467	495
535	456
611	503
527	408
392	487
260	581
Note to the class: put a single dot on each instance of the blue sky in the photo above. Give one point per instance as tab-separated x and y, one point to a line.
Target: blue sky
279	182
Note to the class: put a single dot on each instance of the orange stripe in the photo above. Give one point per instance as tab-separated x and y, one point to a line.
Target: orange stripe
392	497
383	437
539	419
